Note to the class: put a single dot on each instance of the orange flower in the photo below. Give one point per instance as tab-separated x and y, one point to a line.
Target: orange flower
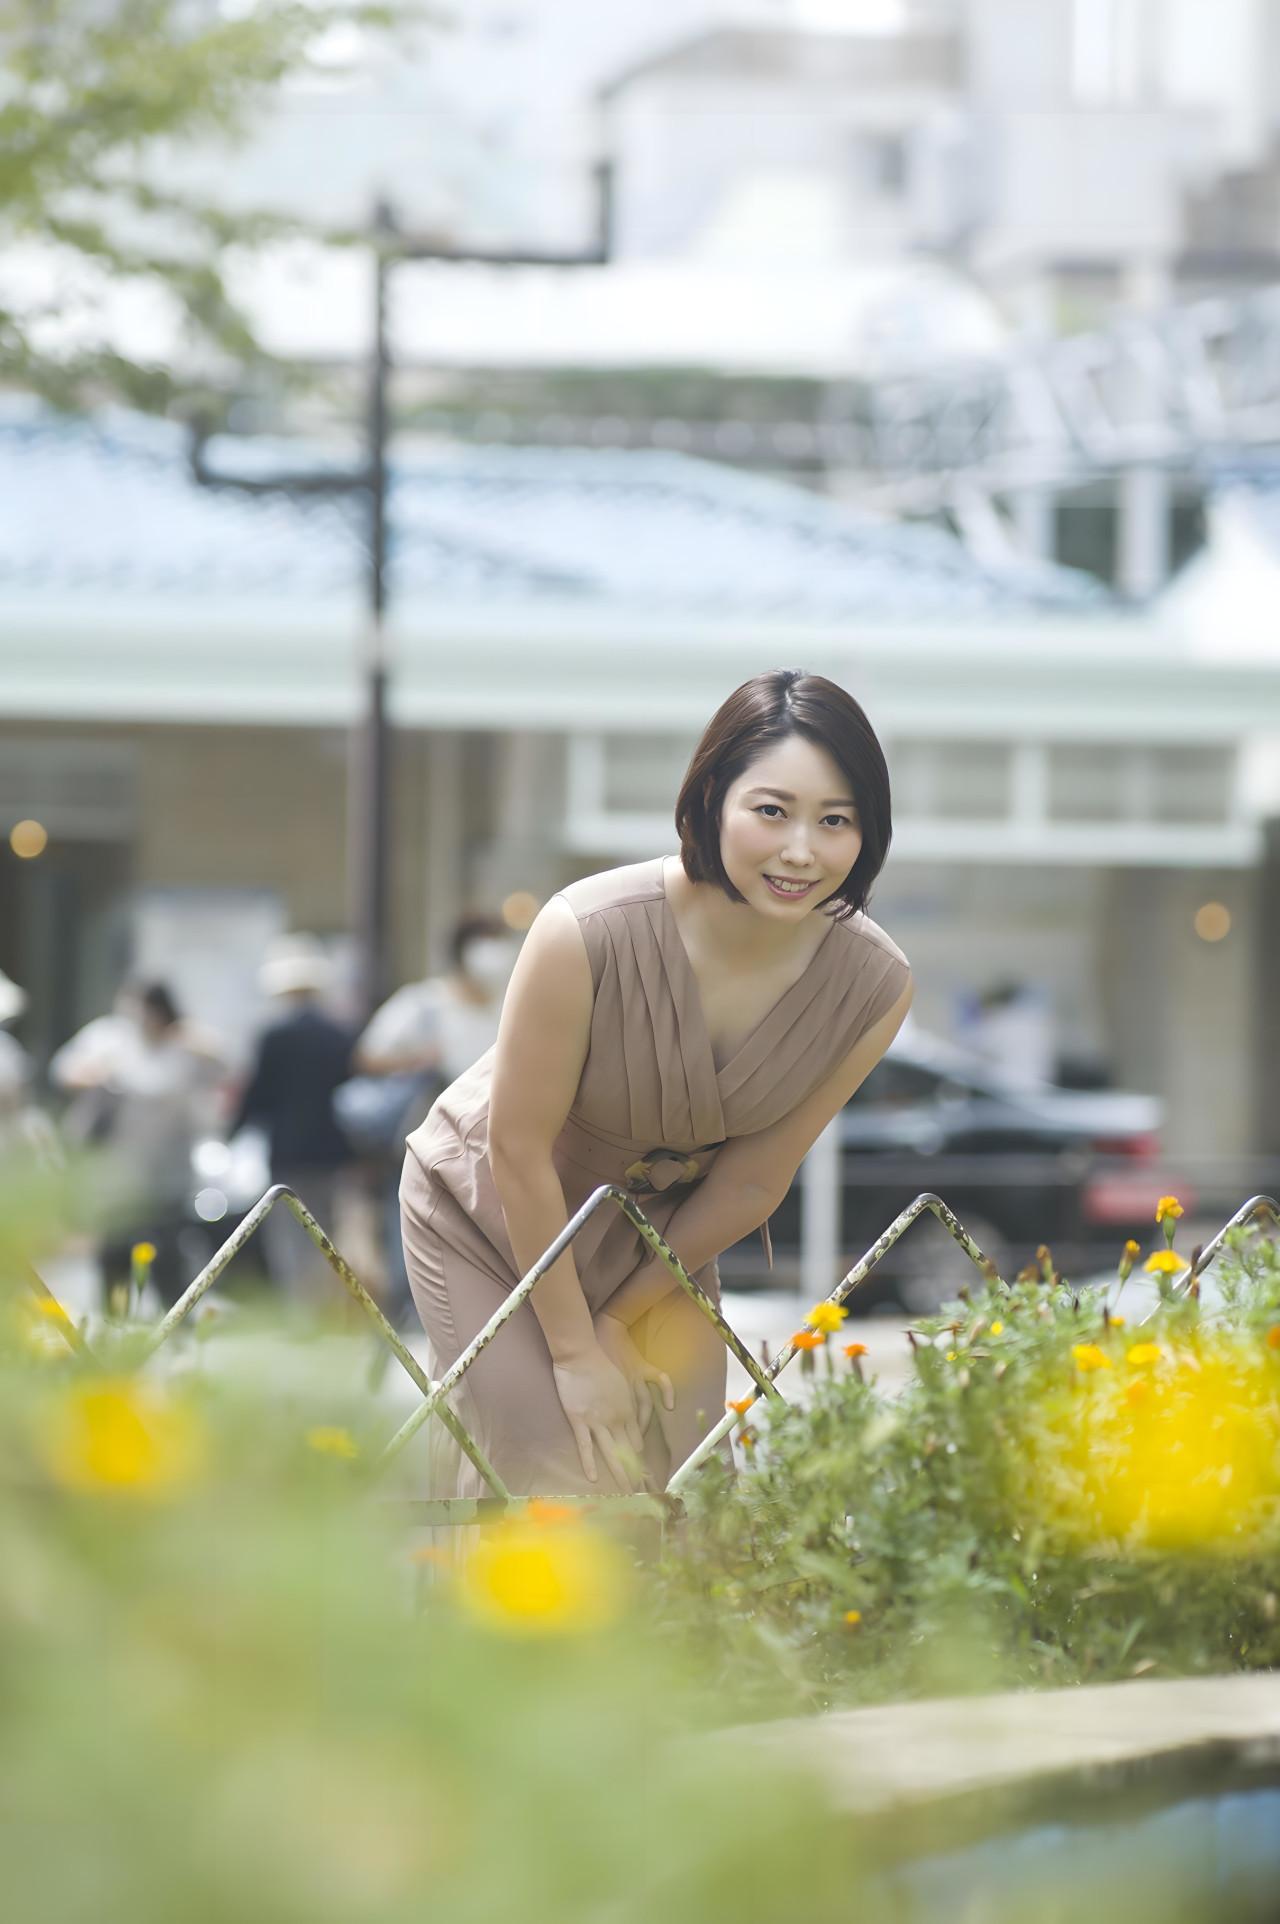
747	1438
808	1339
852	1350
538	1510
1273	1336
741	1406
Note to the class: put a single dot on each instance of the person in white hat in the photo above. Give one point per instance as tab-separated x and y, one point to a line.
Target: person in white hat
15	1063
302	1056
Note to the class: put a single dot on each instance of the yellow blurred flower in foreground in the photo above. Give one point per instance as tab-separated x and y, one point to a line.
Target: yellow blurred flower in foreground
1184	1459
853	1618
50	1307
1143	1355
827	1317
143	1253
331	1441
121	1436
1089	1357
1168	1207
531	1581
1165	1262
997	1328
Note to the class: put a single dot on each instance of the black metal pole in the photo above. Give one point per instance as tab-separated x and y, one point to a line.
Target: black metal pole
369	842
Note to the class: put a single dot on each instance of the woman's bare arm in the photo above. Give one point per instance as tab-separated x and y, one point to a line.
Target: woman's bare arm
752	1174
542	1044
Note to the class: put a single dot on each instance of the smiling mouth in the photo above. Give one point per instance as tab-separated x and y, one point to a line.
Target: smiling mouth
789	886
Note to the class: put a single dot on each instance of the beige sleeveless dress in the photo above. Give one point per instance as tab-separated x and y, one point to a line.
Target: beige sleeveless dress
650	1092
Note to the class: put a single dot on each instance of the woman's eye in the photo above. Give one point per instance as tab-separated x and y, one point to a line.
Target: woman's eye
765	806
771	808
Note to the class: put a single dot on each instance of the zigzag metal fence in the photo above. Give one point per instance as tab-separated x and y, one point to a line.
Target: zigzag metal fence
435	1395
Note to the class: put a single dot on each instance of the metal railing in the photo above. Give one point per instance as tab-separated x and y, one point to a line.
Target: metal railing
435	1395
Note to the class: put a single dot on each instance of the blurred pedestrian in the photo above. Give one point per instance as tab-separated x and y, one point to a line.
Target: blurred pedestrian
301	1058
422	1038
23	1126
1012	1029
143	1084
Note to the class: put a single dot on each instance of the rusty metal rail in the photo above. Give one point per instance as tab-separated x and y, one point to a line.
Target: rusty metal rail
435	1395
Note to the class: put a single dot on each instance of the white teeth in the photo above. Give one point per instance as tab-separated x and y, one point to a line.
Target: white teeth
792	888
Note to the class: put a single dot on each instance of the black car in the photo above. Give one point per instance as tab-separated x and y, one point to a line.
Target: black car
1078	1170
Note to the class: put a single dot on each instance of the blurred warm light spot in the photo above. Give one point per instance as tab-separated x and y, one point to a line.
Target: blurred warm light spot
519	909
1186	1457
28	839
528	1580
121	1437
1213	921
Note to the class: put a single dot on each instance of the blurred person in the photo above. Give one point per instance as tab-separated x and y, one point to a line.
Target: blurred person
301	1057
23	1126
422	1038
684	1027
1012	1029
143	1084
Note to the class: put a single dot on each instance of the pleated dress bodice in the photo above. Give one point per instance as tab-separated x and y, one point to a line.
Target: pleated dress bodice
651	1099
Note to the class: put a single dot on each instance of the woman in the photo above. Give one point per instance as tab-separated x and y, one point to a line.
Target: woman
145	1078
685	1027
432	1031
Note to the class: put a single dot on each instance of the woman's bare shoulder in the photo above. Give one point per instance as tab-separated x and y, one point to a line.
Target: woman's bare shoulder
613	887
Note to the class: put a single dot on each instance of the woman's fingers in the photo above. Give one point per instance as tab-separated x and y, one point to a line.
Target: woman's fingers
582	1437
653	1375
609	1452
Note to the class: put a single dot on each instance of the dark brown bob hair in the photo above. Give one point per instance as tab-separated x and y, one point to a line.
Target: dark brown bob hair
765	710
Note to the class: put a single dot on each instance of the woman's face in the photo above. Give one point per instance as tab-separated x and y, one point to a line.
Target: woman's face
789	818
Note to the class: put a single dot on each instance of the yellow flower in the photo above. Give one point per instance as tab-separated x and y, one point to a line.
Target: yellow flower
142	1253
808	1339
50	1306
536	1582
997	1329
853	1617
1143	1354
827	1317
1089	1357
1133	1250
1115	1322
951	1355
119	1435
1137	1392
1165	1262
332	1442
747	1438
1168	1206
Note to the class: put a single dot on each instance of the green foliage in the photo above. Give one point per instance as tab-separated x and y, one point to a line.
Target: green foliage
95	98
971	1523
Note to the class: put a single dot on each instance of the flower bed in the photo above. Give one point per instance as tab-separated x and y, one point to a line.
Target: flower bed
1058	1495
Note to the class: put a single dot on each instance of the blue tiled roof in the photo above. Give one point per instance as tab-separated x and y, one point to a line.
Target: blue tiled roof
107	505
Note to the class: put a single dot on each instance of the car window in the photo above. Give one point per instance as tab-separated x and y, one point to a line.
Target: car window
895	1085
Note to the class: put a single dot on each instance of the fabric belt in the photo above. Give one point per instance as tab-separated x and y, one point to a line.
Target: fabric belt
657	1172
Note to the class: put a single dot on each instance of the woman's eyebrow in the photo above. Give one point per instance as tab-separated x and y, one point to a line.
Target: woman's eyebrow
784	795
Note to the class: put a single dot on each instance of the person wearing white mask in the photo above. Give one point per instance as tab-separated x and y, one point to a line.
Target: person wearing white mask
436	1028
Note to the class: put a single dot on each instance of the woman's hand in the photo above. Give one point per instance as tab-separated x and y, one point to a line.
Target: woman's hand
598	1401
644	1377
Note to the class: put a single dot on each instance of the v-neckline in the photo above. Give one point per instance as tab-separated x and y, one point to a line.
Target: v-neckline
722	1070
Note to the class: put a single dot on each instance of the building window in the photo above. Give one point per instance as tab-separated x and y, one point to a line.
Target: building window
950	781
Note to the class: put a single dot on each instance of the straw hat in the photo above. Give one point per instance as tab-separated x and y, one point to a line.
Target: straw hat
13	1000
295	965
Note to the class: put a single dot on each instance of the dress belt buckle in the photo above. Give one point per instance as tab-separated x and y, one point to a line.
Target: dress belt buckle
641	1175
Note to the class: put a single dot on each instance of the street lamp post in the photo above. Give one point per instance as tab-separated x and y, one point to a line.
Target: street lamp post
369	814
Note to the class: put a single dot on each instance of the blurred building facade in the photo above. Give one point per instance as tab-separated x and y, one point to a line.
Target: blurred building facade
1073	786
